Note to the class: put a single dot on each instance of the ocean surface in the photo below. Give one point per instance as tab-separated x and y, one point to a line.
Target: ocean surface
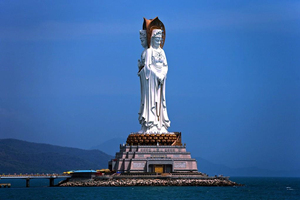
255	188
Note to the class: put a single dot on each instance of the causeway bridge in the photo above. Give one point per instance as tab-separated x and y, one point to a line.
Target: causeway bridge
51	177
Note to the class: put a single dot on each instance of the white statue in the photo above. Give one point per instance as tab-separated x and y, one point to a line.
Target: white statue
141	64
153	67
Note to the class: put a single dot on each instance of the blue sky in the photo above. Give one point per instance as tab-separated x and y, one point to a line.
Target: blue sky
68	75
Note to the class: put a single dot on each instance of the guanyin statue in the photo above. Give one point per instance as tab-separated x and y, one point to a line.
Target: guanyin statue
153	69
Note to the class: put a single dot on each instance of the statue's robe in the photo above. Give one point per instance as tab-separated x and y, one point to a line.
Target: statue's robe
153	110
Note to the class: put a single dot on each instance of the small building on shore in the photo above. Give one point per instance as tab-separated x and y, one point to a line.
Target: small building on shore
84	174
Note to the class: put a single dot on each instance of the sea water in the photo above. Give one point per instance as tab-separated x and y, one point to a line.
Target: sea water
255	188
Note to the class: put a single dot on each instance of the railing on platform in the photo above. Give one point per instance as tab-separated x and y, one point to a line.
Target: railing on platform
27	177
4	185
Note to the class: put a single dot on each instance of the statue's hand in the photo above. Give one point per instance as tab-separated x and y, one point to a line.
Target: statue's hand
161	79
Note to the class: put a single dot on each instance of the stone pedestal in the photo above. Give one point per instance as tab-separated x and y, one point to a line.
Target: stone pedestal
153	158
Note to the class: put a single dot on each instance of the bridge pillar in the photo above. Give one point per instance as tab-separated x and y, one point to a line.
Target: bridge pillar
51	182
27	182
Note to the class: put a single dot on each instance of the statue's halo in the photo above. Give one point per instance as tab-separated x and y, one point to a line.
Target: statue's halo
149	25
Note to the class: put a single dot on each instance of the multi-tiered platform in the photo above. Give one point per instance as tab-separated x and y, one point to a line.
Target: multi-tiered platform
161	153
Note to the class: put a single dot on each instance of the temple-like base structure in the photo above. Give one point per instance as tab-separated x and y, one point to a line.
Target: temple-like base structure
153	158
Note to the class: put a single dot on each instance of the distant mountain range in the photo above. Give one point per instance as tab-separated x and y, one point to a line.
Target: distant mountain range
18	156
217	169
112	146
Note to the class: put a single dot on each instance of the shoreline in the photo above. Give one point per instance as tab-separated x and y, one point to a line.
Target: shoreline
146	182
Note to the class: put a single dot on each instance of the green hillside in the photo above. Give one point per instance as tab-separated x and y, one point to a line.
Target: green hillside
18	156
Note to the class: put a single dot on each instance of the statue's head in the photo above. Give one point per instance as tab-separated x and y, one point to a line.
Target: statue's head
143	38
156	38
149	25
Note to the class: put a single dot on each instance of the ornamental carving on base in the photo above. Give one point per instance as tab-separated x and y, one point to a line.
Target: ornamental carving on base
173	139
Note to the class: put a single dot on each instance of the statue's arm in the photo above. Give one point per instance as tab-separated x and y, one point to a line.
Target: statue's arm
147	69
165	63
141	63
165	67
140	66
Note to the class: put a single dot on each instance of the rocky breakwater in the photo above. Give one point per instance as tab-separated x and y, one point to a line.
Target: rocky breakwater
149	182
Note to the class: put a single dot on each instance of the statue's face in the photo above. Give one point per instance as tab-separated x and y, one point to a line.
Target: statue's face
156	41
143	42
